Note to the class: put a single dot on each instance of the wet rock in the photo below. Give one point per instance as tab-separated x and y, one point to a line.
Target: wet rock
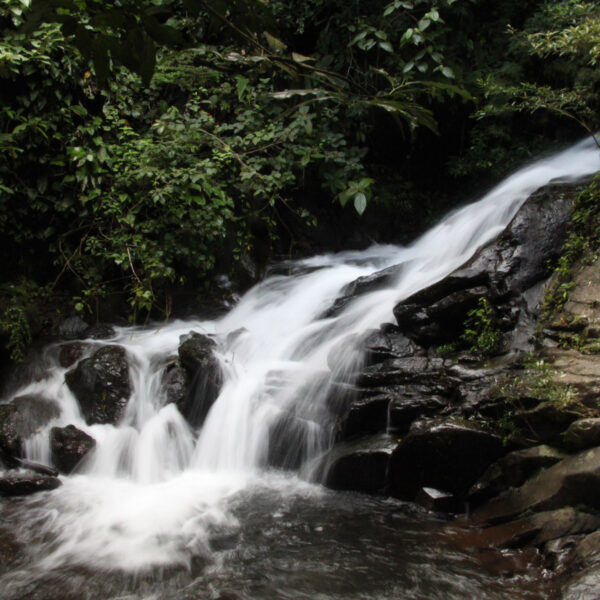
574	481
412	403
360	465
440	321
502	272
290	438
101	385
581	579
366	414
418	369
69	446
21	418
69	354
24	483
547	421
364	285
438	501
176	385
443	454
536	529
197	357
389	343
513	470
582	434
72	328
101	331
346	357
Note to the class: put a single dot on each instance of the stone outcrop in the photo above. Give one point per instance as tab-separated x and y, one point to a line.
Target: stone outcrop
502	272
101	385
22	417
360	465
448	455
25	483
197	358
69	446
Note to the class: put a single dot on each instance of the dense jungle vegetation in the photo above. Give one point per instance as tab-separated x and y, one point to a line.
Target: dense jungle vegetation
150	147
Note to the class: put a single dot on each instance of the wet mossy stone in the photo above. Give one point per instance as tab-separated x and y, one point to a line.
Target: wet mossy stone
69	446
101	385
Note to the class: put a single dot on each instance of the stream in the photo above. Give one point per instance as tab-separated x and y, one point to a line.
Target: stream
160	510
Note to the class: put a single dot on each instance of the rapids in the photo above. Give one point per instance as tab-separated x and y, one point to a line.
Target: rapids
157	499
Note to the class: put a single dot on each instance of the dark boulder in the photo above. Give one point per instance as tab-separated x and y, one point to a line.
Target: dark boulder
438	501
360	465
535	530
176	385
366	414
501	271
70	353
413	402
582	434
547	421
72	328
364	285
416	369
513	470
101	385
197	357
444	454
24	483
21	418
389	343
574	481
69	445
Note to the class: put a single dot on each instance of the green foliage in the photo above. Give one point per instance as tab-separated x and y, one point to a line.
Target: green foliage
481	331
539	381
15	324
581	246
563	31
146	145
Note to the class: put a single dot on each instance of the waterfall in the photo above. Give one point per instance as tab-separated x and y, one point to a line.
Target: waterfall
154	490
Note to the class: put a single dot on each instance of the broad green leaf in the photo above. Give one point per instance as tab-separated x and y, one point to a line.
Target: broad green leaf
241	83
360	203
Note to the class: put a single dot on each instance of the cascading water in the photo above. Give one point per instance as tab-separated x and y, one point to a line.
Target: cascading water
157	493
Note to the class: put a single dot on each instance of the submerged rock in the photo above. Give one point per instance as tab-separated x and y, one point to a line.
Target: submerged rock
69	445
289	440
101	385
